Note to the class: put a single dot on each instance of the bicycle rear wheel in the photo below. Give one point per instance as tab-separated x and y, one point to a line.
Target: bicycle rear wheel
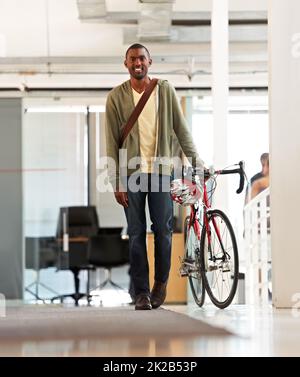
219	259
192	263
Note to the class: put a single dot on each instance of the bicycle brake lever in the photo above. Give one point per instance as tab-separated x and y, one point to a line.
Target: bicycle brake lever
242	178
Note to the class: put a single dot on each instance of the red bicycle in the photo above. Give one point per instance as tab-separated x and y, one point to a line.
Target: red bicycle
211	254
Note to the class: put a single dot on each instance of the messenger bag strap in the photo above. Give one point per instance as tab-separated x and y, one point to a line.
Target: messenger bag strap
137	110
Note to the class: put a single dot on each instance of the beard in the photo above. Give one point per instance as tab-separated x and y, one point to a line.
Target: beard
138	75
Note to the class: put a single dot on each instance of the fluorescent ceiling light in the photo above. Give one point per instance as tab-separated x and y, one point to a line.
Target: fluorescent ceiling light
157	1
91	9
155	21
66	109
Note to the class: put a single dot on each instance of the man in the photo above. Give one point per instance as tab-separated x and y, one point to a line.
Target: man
149	142
260	180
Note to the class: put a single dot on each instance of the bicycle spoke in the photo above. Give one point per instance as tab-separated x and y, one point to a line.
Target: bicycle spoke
191	264
222	260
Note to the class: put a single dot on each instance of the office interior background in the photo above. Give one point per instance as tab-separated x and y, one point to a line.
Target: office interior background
235	66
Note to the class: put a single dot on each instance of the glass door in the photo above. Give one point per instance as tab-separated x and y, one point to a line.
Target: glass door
55	165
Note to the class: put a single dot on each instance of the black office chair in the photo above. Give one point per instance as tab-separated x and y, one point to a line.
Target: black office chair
80	223
40	253
108	249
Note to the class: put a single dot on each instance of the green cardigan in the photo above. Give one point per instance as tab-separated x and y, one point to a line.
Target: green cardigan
119	106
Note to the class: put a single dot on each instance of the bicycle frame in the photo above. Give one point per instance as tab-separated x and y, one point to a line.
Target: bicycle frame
207	206
196	224
210	262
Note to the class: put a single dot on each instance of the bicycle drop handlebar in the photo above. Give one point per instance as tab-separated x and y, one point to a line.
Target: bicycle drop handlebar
240	171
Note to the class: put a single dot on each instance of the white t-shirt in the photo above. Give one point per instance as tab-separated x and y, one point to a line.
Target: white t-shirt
147	130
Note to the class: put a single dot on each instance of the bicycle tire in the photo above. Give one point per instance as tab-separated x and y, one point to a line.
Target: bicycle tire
195	277
226	271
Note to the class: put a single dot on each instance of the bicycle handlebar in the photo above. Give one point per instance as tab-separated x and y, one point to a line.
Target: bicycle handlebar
240	171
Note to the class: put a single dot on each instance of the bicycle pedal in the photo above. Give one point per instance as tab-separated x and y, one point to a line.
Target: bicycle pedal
183	273
183	270
212	268
188	260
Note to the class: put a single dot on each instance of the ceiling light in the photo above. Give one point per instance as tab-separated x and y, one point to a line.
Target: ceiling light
91	9
157	1
155	21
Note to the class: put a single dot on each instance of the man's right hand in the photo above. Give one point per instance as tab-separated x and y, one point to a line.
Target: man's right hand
122	198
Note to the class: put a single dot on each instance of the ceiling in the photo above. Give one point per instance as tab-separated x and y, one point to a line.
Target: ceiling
44	43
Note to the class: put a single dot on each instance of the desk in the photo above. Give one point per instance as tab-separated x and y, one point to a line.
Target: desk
74	239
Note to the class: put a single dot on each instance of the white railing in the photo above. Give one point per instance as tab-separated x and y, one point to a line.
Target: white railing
257	248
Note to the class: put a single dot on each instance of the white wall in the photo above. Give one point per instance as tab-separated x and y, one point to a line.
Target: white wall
284	25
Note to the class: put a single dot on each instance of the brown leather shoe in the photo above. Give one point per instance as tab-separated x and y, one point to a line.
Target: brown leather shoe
158	294
142	302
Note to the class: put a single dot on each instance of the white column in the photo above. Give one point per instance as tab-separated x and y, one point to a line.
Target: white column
220	91
284	88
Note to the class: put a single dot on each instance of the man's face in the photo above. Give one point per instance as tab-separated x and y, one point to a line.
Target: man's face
137	62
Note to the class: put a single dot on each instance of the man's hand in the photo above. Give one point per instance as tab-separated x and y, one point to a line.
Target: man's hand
122	198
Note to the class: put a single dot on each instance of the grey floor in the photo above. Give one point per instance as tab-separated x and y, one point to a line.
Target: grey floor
256	331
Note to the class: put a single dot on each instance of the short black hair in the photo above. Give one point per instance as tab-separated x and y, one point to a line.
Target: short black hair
135	46
264	157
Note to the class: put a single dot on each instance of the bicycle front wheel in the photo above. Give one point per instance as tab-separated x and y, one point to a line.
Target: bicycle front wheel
219	259
192	263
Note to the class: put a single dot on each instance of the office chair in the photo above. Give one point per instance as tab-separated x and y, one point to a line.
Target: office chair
40	252
80	223
108	249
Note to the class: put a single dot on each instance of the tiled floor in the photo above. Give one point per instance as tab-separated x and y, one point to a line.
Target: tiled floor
259	331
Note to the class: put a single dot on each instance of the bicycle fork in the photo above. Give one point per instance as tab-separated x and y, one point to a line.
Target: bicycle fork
188	264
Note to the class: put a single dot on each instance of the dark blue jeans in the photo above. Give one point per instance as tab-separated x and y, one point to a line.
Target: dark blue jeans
156	188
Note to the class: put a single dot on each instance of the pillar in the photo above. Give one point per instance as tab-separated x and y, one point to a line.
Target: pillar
284	89
220	91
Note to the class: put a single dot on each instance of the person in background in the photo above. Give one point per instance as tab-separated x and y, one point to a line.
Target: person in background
259	181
